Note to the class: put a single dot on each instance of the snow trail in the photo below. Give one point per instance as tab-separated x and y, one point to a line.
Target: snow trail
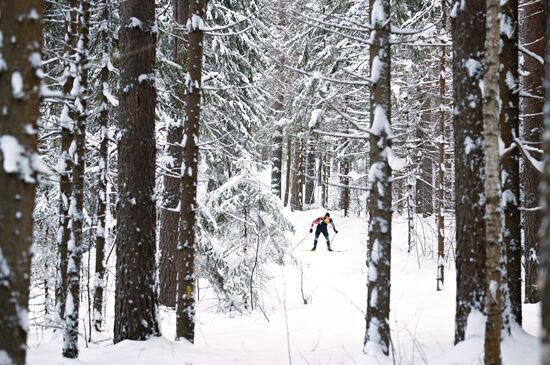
327	330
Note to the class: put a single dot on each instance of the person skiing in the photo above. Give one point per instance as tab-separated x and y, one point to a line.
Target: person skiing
322	227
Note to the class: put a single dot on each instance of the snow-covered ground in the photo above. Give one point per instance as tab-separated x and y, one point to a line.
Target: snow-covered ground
328	329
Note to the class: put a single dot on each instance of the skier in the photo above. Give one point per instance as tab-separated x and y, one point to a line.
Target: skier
322	227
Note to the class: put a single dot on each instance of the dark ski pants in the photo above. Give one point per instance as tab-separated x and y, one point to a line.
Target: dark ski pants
318	233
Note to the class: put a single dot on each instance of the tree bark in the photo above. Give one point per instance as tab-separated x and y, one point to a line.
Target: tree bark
424	187
76	204
325	168
277	153
19	92
170	215
440	172
509	122
533	39
468	48
545	239
377	336
494	248
136	295
67	121
310	171
344	180
288	170
102	203
296	198
185	307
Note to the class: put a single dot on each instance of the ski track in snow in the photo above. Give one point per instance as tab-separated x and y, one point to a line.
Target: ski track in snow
329	329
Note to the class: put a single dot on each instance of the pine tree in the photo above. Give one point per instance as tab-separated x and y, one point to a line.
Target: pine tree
185	303
468	50
20	62
67	121
509	122
106	44
545	239
440	172
136	294
377	336
76	202
533	37
170	213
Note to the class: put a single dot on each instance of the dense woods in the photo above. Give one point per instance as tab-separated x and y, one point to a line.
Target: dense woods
158	160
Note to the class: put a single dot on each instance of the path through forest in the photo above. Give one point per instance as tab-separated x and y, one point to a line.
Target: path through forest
327	330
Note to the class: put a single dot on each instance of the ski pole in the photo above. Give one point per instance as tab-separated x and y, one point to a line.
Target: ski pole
299	243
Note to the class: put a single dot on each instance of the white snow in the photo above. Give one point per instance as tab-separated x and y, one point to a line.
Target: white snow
12	152
195	23
473	66
381	125
328	330
378	14
17	85
5	358
135	23
315	118
377	67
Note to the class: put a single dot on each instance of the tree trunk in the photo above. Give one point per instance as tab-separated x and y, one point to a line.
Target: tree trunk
296	201
170	214
67	121
424	187
494	249
277	153
76	204
440	172
136	296
325	168
19	90
288	170
344	180
468	49
377	336
185	307
310	171
509	121
545	241
533	39
102	203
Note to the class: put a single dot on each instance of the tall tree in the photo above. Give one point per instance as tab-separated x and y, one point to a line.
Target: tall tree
468	25
20	62
309	191
136	293
424	181
288	174
297	185
170	214
67	119
533	39
440	172
493	268
277	153
377	336
545	262
185	304
76	203
105	37
509	122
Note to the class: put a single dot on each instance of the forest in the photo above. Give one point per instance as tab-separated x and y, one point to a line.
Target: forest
274	182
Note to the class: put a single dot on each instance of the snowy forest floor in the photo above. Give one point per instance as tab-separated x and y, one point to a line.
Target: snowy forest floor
327	330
